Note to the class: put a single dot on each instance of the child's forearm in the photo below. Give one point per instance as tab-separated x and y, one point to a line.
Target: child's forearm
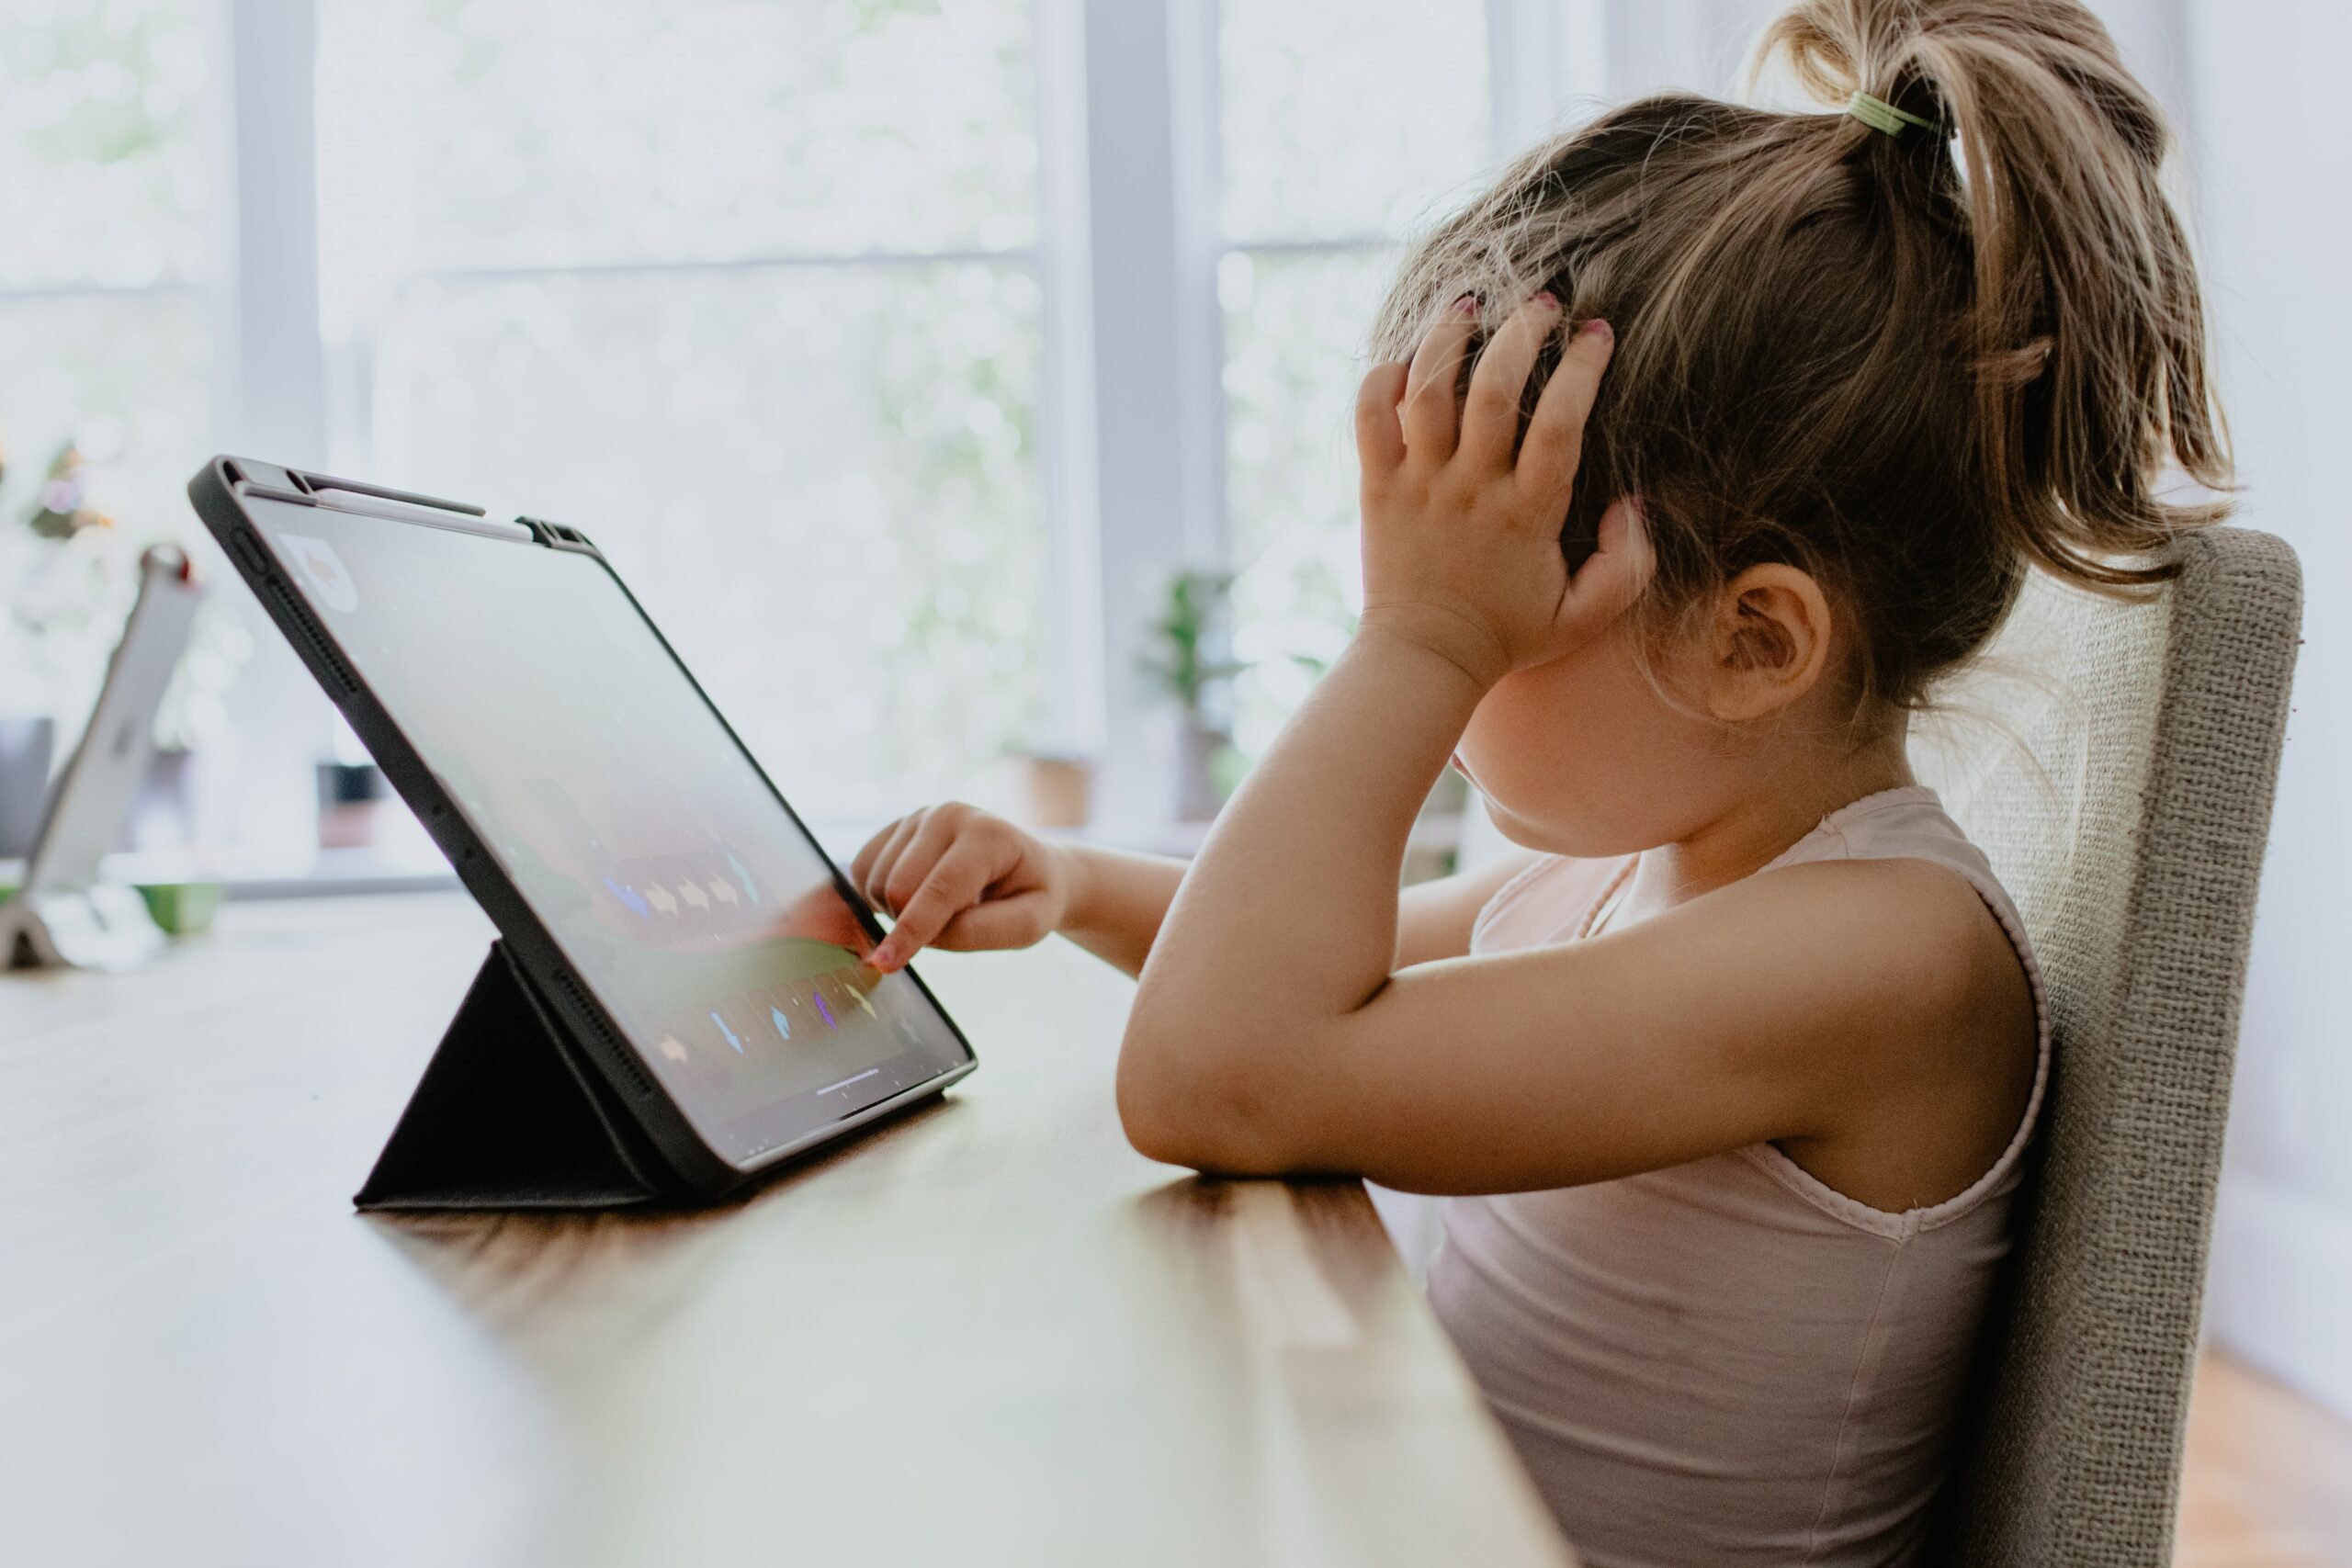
1289	914
1287	922
1116	902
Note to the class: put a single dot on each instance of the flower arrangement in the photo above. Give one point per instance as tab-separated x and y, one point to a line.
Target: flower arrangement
68	573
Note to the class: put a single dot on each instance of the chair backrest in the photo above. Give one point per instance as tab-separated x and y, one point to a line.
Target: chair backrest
2124	797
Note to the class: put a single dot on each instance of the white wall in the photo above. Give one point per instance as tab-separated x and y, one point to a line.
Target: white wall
2274	158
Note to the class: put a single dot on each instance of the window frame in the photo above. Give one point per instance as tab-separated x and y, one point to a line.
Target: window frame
1131	417
1156	503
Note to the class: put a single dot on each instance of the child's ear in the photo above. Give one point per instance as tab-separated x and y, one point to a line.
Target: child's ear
1769	643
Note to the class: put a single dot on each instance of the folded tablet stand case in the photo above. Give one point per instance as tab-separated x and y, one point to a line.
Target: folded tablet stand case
515	1109
508	1116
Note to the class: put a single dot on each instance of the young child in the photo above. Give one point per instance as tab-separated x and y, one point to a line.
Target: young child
1766	416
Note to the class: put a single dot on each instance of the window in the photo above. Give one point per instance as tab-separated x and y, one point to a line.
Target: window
788	302
779	354
1321	175
104	334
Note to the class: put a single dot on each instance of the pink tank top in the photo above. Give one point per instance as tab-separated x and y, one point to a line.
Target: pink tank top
1728	1362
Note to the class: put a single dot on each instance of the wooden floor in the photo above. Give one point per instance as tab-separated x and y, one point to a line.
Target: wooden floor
2268	1481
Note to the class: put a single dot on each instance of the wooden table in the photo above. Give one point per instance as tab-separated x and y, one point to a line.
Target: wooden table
989	1333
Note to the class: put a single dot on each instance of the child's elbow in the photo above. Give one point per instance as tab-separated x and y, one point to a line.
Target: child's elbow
1178	1110
1157	1133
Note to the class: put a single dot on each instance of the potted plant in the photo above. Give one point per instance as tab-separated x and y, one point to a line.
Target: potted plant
1189	662
1055	789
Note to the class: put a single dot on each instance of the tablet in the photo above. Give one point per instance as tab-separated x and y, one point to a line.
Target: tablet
701	949
65	914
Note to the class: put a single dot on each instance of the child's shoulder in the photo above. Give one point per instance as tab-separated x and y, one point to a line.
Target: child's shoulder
1928	1019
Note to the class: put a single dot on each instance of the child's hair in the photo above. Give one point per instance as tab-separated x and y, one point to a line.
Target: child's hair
1909	364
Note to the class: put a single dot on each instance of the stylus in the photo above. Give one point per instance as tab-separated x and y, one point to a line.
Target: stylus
409	512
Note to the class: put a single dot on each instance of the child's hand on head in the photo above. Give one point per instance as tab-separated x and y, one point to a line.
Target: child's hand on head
1461	540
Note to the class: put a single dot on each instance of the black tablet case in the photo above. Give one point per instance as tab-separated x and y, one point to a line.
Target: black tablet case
509	1116
513	1111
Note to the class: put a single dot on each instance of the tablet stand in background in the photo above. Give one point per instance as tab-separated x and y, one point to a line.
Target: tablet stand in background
64	915
506	1116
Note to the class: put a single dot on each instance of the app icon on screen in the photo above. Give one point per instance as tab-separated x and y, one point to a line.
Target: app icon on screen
323	571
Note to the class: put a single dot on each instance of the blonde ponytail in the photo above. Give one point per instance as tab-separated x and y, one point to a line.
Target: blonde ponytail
2087	320
1911	363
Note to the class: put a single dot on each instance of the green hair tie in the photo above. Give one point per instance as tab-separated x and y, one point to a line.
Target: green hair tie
1880	115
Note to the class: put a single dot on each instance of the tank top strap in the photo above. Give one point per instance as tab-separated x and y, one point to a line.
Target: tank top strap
1910	823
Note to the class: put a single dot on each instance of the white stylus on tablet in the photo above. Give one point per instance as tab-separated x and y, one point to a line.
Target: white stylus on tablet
431	516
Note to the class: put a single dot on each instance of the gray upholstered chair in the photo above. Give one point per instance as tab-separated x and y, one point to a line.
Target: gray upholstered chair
2122	789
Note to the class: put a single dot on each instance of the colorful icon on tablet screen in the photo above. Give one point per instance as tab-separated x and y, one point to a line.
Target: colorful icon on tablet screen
857	992
830	1022
742	875
671	1047
628	898
783	1024
659	897
730	1033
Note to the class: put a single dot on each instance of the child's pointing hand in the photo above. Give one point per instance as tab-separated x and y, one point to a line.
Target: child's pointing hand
954	877
1461	542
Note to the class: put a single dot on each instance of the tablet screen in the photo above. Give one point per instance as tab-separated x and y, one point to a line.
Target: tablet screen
710	927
